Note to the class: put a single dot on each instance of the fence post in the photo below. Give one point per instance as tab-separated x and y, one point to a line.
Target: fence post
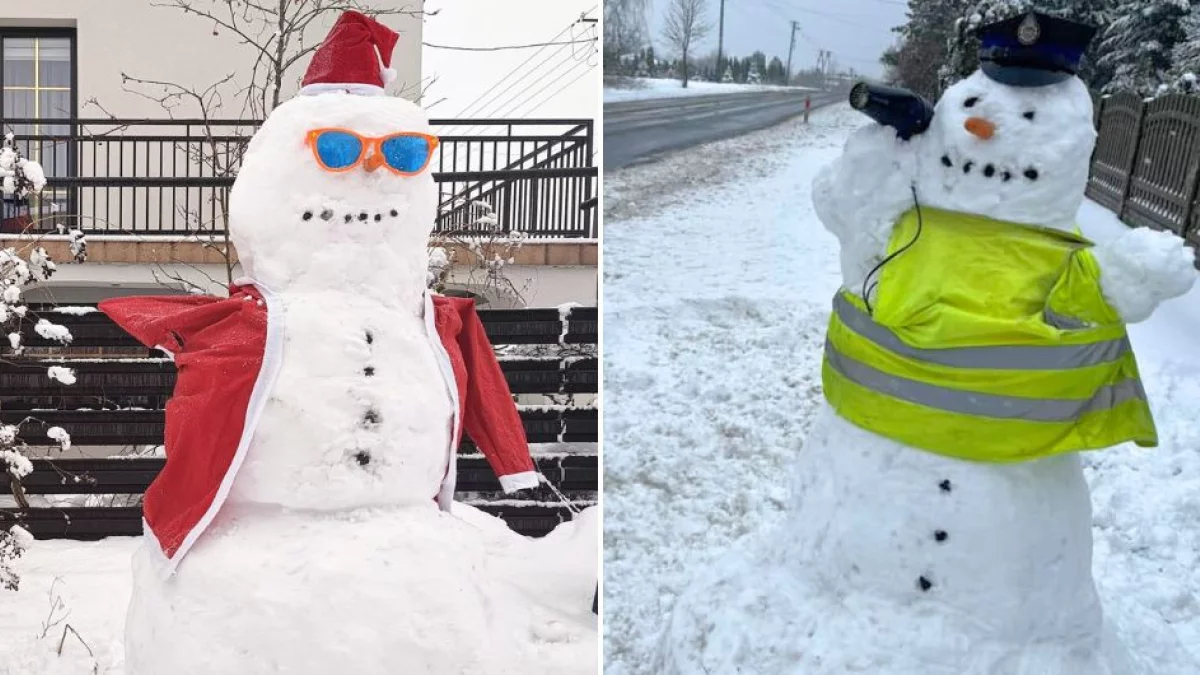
1129	168
1192	192
1097	122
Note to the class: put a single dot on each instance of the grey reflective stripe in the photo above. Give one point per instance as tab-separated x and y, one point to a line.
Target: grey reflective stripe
978	404
1062	321
1001	357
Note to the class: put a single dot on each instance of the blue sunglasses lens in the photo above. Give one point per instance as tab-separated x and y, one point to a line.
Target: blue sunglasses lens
338	149
406	153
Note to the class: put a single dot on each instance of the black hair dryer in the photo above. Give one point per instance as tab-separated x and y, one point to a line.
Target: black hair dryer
909	114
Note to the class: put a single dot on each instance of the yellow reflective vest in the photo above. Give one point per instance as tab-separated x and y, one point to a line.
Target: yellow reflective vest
986	341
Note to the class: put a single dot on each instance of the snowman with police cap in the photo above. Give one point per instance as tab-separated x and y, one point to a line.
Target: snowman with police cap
941	523
303	522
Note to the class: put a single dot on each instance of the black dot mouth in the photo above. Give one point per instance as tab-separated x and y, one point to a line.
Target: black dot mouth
328	214
991	170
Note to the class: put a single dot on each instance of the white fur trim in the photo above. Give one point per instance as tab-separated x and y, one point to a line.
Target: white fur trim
519	481
446	494
349	88
162	565
388	75
272	359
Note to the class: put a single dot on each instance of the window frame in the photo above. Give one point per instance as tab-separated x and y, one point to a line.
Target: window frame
50	32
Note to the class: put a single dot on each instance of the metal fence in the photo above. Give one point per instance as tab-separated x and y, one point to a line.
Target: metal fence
172	177
1146	167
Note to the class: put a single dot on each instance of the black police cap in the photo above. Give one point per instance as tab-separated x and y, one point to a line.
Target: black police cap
1032	50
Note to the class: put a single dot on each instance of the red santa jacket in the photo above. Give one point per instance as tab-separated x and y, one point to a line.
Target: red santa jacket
228	351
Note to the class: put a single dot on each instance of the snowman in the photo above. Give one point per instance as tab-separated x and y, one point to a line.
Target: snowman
302	523
941	523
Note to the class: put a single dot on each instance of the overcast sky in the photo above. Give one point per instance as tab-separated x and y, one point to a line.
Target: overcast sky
462	77
856	31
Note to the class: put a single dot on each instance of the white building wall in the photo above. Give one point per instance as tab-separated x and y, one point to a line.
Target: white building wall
165	44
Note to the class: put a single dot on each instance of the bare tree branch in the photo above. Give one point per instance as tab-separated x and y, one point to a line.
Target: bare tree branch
685	24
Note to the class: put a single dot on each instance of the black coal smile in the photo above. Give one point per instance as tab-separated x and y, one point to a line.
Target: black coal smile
364	216
990	170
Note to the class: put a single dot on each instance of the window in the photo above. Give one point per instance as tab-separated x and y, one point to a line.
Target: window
37	82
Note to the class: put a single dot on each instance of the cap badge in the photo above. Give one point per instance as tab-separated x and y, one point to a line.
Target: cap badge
1029	31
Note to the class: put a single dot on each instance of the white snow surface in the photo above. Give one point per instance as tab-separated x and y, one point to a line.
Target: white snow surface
647	88
61	373
714	386
539	599
52	331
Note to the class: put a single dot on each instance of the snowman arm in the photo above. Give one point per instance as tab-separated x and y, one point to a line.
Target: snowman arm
489	416
163	322
1141	269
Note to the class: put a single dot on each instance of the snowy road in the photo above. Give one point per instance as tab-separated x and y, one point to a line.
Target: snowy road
635	131
717	285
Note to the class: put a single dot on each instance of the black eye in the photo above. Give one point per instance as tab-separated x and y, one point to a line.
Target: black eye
970	103
1029	115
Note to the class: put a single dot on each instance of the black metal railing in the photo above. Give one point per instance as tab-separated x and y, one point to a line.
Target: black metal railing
172	176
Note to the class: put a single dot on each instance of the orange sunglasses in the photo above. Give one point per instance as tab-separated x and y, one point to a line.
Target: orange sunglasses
338	150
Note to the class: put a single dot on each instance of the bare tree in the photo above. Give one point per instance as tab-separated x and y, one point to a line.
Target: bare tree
624	33
685	25
277	33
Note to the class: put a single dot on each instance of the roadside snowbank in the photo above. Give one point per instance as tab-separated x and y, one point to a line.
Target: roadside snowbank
647	88
718	277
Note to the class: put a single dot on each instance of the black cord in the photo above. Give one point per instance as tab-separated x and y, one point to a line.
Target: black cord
866	291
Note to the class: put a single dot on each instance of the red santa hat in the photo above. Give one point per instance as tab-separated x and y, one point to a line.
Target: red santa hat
356	58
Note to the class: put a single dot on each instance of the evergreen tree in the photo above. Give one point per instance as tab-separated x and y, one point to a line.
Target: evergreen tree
727	78
924	46
1185	72
775	71
963	57
1139	44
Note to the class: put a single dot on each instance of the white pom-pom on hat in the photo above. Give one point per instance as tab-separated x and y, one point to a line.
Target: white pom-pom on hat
388	75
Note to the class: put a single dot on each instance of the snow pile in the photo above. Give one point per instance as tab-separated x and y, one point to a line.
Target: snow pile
52	331
647	88
61	374
459	609
713	377
60	436
695	462
87	585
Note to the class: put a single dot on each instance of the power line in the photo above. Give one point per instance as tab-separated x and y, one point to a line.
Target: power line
512	72
558	91
497	49
464	112
531	84
549	84
497	111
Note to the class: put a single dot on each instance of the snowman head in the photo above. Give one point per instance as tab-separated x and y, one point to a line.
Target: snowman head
1018	154
1013	141
333	187
334	190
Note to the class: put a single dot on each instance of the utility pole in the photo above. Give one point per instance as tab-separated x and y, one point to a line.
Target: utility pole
791	48
720	40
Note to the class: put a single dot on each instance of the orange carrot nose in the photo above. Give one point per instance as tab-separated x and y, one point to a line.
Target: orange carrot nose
373	162
980	127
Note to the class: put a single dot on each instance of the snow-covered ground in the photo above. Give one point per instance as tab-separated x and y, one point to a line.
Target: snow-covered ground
82	589
646	87
718	279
